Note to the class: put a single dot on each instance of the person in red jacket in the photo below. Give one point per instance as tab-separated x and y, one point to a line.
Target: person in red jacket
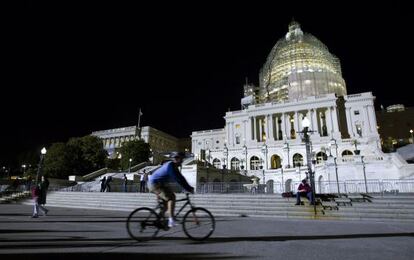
304	189
37	199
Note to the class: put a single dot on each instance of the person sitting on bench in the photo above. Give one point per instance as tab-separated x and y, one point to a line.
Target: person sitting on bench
304	189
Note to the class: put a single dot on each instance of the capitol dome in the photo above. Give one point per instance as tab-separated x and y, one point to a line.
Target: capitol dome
298	66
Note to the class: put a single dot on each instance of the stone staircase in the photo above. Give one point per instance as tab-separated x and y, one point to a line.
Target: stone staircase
382	208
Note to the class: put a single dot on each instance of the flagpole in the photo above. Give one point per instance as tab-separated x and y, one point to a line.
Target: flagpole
139	117
139	122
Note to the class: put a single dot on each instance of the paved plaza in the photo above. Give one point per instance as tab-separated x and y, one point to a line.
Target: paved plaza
72	233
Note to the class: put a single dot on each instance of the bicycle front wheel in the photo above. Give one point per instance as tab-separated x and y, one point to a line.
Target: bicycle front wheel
143	224
198	224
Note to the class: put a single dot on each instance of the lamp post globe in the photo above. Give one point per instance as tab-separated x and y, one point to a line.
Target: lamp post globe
305	122
412	137
129	165
39	169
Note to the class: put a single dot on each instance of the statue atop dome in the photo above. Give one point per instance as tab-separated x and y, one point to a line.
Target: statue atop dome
295	32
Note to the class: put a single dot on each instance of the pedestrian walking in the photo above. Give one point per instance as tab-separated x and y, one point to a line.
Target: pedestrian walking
103	184
107	186
125	183
143	181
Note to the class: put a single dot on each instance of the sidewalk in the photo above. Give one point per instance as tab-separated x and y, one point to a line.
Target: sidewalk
94	233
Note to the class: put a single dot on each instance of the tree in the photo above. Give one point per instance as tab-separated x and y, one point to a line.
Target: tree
88	153
137	150
58	161
79	156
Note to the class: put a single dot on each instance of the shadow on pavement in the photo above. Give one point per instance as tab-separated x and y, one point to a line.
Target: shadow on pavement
13	231
289	238
120	256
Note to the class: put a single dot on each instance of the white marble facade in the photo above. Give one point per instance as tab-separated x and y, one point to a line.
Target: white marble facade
264	138
159	141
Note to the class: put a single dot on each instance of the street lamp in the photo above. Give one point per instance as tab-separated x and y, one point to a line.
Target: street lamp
24	169
245	154
39	169
264	151
286	148
222	177
129	165
208	156
225	153
336	174
305	132
333	143
412	138
365	176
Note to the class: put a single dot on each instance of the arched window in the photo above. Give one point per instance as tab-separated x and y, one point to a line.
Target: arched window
235	164
254	163
320	157
297	160
347	152
216	163
275	162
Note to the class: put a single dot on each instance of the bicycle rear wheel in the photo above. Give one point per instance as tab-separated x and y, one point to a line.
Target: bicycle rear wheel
198	224
143	224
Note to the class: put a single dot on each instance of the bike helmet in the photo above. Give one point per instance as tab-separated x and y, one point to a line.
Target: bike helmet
177	155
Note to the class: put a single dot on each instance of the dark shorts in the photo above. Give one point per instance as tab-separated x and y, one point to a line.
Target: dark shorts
162	190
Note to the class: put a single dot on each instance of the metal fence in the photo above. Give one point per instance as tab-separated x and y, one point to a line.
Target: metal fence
226	187
389	186
370	186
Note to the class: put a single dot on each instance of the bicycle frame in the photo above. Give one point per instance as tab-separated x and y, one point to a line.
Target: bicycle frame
161	206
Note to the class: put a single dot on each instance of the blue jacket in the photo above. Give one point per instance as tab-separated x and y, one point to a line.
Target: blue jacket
168	173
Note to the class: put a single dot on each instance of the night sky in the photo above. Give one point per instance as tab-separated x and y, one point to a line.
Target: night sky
73	68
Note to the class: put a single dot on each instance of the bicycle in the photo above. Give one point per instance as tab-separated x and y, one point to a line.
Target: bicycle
144	223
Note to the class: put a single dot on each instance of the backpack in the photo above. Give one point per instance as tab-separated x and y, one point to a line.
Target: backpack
288	194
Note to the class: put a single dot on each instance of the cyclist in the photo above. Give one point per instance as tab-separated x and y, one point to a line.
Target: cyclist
157	183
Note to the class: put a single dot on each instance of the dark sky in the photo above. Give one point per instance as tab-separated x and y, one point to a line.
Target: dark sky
72	68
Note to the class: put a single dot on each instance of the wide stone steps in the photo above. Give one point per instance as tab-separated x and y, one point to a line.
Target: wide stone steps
387	208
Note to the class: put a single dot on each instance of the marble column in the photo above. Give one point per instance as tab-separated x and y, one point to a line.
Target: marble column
335	119
328	120
367	118
283	125
255	128
296	123
373	118
288	126
315	121
270	135
276	128
349	122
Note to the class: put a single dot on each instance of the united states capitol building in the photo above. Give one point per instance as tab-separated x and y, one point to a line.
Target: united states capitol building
301	79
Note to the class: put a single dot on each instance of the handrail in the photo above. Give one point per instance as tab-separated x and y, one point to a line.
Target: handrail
95	174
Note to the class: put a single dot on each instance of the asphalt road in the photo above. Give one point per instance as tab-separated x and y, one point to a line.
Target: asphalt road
78	233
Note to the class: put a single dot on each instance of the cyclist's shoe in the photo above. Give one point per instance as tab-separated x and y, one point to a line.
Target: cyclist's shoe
171	223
